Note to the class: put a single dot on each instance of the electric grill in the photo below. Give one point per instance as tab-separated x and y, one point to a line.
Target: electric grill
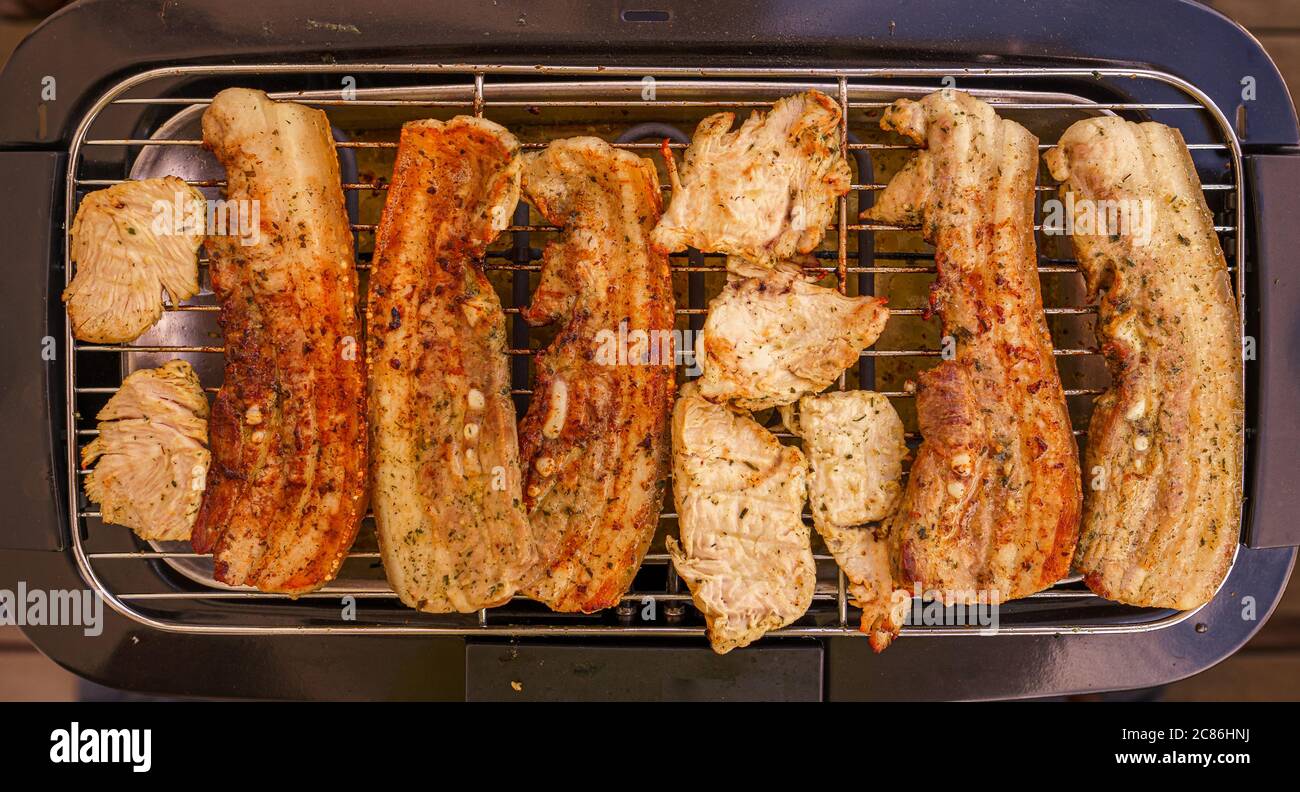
108	91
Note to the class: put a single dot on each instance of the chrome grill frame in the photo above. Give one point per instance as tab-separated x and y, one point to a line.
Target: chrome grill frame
834	614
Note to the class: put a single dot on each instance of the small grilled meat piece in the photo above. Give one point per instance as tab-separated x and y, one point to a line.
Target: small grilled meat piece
854	443
772	336
992	501
287	487
855	448
444	449
764	192
744	551
1165	441
130	243
595	439
151	456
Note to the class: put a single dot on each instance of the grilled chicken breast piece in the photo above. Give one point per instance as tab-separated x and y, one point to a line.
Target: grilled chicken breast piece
1165	440
150	457
444	449
855	448
130	243
992	501
772	336
854	443
763	192
595	439
287	488
744	551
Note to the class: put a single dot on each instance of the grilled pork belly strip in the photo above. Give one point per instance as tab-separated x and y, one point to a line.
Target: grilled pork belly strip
745	551
763	192
151	454
855	448
772	336
444	450
287	486
992	501
595	439
1166	437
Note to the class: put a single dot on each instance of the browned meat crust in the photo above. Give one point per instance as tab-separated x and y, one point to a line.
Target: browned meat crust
1160	523
595	440
287	487
992	502
446	485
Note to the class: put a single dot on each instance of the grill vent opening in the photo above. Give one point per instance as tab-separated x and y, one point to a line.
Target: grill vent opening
646	15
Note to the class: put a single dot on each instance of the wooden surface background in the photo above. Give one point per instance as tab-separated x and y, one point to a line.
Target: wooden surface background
1266	669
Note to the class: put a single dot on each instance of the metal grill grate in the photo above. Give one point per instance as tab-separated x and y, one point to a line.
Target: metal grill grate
146	131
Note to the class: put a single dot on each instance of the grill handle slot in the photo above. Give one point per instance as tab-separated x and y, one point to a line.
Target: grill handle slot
1275	244
31	330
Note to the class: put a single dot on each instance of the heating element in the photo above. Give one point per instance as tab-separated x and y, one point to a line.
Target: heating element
165	586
